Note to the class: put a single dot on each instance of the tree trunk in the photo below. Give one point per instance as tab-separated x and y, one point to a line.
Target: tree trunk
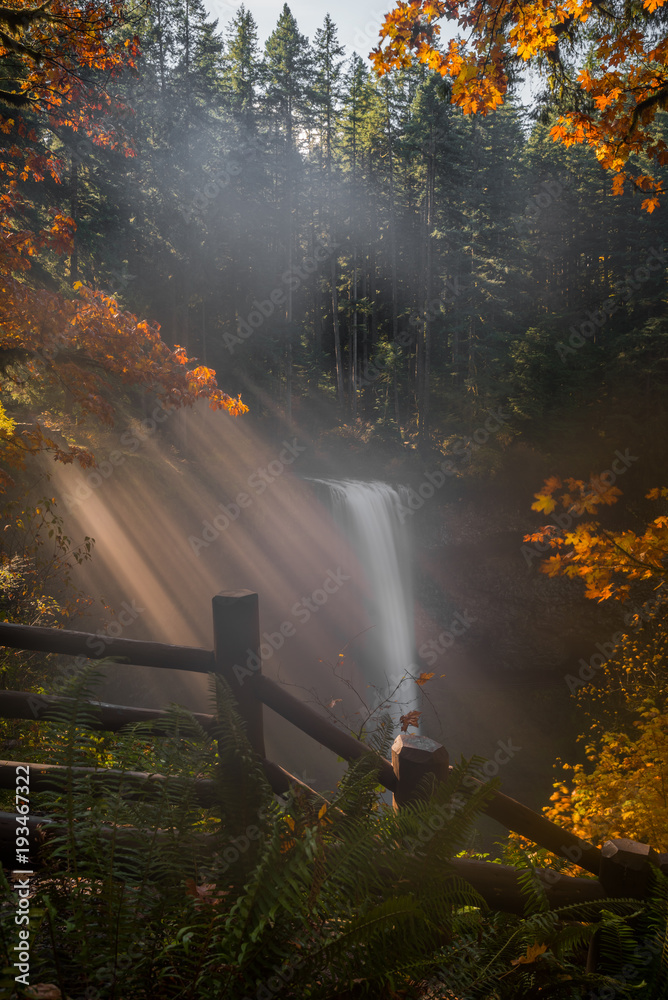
337	333
424	387
393	253
74	212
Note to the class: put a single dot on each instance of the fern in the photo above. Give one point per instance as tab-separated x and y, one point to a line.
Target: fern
151	895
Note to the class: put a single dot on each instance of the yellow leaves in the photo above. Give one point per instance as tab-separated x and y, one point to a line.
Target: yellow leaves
7	425
622	68
545	534
434	10
543	503
649	204
607	562
467	72
622	793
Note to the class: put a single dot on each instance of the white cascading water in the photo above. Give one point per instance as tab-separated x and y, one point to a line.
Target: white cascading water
368	515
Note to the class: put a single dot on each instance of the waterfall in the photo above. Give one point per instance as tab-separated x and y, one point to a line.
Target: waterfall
368	515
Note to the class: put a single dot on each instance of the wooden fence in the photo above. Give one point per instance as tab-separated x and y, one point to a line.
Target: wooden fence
622	867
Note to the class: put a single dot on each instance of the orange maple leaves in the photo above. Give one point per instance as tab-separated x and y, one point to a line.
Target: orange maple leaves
79	350
606	561
62	64
411	28
85	349
627	78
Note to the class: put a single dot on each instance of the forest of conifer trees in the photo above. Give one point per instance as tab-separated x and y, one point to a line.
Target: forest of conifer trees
316	234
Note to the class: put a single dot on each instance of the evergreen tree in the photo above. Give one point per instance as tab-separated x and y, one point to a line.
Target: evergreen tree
463	256
288	91
242	70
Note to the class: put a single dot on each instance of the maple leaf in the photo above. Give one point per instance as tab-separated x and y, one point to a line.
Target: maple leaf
533	952
409	719
423	678
618	184
649	204
543	503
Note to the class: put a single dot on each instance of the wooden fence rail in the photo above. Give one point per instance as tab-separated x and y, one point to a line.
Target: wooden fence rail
236	631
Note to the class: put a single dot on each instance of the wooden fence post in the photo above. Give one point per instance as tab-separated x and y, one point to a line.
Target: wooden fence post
625	867
413	757
236	648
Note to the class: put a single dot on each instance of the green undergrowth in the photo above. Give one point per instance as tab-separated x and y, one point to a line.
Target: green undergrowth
178	890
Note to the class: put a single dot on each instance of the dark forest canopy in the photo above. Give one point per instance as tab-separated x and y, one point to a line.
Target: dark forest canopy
315	233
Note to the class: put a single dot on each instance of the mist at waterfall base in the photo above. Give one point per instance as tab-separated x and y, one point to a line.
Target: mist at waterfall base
225	510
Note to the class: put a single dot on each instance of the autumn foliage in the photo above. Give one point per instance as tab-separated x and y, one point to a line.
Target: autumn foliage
58	66
607	61
59	70
622	789
608	562
86	350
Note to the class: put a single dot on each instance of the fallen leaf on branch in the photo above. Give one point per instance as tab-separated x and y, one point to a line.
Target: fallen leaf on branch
423	678
410	719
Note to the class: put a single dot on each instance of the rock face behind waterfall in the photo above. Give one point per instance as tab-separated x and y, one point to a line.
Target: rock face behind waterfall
369	518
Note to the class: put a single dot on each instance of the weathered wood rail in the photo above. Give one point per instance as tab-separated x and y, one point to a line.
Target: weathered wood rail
621	867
